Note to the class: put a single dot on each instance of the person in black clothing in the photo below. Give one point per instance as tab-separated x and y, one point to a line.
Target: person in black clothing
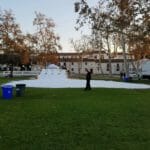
88	78
121	75
11	71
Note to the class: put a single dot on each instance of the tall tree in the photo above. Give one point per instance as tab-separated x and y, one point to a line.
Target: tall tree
83	47
128	19
10	31
10	36
47	40
100	21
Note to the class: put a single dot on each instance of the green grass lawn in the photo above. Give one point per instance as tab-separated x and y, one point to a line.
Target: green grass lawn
74	119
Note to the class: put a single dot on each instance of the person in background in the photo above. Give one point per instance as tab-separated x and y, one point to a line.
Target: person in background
88	79
121	75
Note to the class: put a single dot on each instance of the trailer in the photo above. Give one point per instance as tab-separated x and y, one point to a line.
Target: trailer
142	70
145	69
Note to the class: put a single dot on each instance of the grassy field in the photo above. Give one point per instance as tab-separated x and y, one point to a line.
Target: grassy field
74	119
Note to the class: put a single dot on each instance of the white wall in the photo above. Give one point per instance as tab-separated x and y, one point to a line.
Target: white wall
74	67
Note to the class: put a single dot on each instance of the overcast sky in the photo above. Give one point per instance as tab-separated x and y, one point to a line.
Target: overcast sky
61	11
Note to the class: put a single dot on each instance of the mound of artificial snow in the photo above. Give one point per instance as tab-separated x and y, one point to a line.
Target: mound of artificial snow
57	78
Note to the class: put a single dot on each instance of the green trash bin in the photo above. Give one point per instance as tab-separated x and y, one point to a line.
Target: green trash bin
20	89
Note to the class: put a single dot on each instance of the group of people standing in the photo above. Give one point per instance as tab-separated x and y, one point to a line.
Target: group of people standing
122	75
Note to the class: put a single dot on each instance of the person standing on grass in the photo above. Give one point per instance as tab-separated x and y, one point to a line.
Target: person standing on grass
88	78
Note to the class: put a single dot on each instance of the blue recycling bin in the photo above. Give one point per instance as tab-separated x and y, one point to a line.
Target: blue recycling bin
7	91
126	79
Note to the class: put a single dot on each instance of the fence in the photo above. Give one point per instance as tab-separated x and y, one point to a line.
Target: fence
20	73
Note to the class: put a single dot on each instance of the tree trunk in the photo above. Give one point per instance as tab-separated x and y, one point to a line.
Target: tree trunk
126	68
109	58
100	63
79	64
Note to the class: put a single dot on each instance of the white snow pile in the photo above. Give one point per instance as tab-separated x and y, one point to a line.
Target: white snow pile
53	77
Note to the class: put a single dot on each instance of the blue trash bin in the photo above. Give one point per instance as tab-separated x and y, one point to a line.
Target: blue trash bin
126	79
7	91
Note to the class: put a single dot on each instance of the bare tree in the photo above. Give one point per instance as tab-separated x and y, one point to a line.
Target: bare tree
128	19
100	22
47	40
83	47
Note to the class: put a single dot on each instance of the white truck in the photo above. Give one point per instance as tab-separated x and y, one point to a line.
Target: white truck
145	69
142	69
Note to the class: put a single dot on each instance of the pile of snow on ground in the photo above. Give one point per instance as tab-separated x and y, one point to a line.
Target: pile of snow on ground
57	78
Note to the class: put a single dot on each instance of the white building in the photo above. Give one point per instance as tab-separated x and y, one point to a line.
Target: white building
78	63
